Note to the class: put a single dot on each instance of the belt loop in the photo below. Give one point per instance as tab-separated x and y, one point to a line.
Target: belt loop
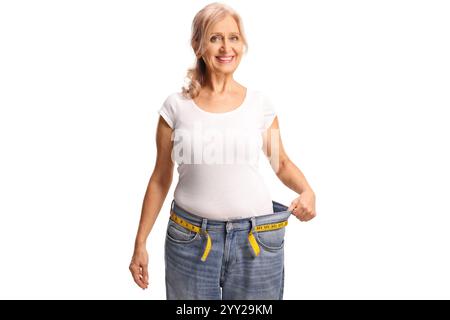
204	224
251	239
172	205
253	221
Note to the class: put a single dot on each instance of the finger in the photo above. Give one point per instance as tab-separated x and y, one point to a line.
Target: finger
307	215
299	212
136	273
302	209
292	206
311	215
145	274
301	217
304	216
139	282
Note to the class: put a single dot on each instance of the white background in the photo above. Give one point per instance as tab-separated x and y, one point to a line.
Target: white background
362	93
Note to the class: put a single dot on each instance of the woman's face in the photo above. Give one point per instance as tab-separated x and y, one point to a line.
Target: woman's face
224	47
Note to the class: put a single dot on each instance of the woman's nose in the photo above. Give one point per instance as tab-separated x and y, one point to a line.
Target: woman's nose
225	45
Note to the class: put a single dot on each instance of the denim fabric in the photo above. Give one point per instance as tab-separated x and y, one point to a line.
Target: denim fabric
231	270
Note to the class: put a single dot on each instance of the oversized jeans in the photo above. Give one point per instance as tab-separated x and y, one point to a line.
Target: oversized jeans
231	269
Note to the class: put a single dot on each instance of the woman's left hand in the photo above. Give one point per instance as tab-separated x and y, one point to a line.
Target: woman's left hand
304	206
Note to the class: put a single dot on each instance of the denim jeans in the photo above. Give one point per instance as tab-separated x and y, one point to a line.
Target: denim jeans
231	270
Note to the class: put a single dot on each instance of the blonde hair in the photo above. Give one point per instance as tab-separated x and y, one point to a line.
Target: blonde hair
202	23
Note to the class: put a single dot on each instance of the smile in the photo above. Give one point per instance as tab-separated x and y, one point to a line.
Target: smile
225	59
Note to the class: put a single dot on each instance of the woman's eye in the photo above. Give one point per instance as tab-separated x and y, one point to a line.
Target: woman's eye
234	38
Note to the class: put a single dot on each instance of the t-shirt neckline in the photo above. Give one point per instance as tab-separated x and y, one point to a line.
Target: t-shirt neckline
241	106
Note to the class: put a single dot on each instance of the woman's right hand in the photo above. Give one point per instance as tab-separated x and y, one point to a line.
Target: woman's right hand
139	267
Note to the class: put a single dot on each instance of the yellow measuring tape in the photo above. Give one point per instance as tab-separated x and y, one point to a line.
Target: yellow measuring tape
262	228
251	237
196	229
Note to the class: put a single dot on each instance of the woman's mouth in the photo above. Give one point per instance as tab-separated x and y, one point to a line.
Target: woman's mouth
225	59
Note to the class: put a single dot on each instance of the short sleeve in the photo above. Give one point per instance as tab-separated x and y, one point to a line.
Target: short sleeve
168	111
269	111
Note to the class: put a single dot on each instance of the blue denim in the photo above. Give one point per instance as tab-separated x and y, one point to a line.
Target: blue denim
232	270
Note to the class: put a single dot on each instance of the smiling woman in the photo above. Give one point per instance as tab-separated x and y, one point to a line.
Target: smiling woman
219	41
225	234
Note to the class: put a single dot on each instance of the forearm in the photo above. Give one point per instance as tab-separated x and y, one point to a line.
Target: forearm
153	201
293	178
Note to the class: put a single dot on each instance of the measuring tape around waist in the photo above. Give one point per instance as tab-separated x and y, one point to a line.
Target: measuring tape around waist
251	236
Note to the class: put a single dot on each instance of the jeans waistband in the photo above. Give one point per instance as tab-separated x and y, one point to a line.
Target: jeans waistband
281	213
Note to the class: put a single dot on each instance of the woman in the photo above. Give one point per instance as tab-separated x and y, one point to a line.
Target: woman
225	235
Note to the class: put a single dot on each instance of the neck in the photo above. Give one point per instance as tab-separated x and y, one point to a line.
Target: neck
220	84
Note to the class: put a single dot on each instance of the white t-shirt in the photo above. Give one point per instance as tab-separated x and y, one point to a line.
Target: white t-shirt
217	156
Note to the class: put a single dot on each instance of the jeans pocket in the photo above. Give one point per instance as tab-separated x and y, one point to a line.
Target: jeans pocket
179	234
272	240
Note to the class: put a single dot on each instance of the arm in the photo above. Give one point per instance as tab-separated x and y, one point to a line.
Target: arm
288	173
155	195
